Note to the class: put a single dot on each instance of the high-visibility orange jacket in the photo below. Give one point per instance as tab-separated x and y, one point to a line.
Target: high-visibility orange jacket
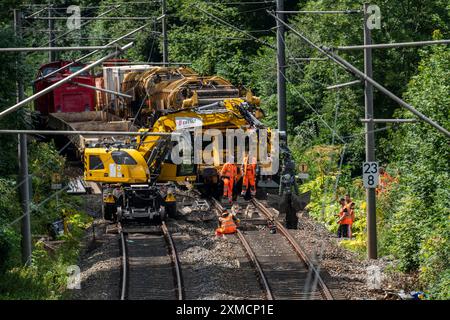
229	170
351	212
227	225
249	168
345	217
249	173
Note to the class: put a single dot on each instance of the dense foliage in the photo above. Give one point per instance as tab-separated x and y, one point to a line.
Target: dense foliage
324	127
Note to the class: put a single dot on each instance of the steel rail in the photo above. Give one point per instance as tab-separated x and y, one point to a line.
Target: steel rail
299	251
123	293
255	261
89	133
252	256
31	49
175	260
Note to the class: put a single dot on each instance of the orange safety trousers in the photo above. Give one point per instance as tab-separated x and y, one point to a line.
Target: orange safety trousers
229	171
227	226
249	179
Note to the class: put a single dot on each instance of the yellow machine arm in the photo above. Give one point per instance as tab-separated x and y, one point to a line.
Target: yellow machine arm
132	165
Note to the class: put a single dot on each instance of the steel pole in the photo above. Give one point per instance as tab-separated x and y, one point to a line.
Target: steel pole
370	140
65	80
18	34
23	178
24	198
165	46
281	67
51	35
103	90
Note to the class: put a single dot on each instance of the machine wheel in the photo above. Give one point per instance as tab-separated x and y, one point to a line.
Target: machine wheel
119	213
291	215
161	217
109	211
171	209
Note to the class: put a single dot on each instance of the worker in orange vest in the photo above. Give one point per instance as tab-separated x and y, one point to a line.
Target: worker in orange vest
227	224
249	172
344	220
228	175
350	205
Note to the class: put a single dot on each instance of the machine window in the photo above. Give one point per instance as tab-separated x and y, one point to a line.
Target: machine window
186	170
78	68
121	157
95	163
48	70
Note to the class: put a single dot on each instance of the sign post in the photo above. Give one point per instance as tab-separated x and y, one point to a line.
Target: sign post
371	174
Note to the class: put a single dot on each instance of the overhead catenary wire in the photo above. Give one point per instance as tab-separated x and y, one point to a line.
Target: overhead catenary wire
359	74
92	53
83	24
394	45
74	48
94	7
61	82
94	18
215	18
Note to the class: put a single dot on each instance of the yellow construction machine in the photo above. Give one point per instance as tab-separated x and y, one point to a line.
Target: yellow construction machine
137	176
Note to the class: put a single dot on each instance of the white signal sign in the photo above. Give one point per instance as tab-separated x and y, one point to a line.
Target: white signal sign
371	174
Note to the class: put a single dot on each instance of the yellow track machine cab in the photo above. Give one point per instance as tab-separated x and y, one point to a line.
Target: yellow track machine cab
115	166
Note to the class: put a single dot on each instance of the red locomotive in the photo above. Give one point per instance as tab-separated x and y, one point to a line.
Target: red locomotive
67	98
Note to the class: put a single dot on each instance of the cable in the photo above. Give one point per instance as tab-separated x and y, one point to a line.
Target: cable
210	15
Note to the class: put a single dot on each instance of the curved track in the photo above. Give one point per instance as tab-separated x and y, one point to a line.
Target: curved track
252	256
313	276
150	266
284	269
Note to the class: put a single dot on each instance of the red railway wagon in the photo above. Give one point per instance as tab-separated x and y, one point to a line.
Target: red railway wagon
67	98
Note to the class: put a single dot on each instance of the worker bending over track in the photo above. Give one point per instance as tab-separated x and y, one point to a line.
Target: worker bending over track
228	175
227	224
249	172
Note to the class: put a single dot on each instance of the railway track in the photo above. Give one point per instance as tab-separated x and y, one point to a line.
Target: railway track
150	266
283	268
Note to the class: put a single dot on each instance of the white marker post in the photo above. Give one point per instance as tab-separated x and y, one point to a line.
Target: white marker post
371	174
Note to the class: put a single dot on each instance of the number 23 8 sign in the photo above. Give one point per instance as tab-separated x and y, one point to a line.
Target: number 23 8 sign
370	174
